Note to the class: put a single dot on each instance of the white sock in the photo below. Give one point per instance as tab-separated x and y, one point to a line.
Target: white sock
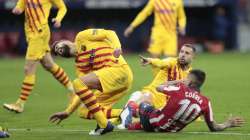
135	97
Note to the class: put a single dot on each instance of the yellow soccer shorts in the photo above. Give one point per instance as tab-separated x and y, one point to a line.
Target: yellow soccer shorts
38	43
162	42
115	81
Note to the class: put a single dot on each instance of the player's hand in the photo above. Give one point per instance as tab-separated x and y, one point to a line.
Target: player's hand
57	24
182	31
117	53
58	117
144	61
17	11
128	31
235	121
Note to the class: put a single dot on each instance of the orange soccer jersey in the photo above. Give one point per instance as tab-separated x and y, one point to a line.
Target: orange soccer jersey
37	12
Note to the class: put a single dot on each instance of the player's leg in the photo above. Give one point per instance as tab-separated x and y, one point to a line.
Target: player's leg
109	113
144	111
170	46
155	49
83	87
26	88
131	109
58	72
33	54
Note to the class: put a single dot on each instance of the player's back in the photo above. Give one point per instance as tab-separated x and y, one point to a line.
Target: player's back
96	54
184	106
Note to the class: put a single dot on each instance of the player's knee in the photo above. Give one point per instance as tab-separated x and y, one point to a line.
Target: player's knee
28	69
147	97
47	65
145	107
136	96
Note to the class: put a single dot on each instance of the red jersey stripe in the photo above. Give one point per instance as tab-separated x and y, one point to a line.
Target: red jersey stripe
175	73
29	22
98	63
35	9
88	52
166	15
170	17
169	74
30	14
40	7
97	56
161	16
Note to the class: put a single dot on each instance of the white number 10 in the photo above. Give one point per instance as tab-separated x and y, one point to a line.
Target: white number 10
187	112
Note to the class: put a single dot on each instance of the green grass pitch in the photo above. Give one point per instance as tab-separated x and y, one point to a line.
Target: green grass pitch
227	85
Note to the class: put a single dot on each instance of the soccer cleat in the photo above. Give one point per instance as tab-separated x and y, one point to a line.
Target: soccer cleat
126	118
100	131
16	107
4	134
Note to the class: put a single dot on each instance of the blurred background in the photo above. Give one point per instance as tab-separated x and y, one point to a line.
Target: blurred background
213	26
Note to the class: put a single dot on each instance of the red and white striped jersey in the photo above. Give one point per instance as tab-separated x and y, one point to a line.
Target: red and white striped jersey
184	106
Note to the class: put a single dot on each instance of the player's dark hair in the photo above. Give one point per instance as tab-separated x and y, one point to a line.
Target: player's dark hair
190	46
66	49
200	77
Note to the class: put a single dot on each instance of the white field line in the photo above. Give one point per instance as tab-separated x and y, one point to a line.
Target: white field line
86	131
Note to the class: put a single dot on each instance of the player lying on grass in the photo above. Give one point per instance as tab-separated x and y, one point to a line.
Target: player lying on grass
172	69
185	104
101	67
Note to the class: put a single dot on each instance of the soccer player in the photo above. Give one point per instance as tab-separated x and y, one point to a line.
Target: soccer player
186	103
172	69
169	18
101	67
38	35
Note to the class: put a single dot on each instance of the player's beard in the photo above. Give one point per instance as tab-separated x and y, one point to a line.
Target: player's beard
183	64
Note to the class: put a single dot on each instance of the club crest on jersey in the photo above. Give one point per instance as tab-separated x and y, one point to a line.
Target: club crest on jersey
83	48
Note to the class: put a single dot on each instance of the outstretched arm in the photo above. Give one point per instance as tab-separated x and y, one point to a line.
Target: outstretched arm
140	18
154	61
229	123
60	116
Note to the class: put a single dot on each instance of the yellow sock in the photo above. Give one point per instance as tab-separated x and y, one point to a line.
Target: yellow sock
115	121
88	98
26	89
62	77
113	113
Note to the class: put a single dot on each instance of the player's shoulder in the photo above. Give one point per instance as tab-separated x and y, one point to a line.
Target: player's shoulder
170	60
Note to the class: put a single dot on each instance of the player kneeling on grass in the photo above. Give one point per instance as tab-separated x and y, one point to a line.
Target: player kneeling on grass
185	104
101	67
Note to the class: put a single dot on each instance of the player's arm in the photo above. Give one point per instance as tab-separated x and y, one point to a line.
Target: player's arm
154	62
182	20
19	8
214	126
61	12
73	105
147	10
